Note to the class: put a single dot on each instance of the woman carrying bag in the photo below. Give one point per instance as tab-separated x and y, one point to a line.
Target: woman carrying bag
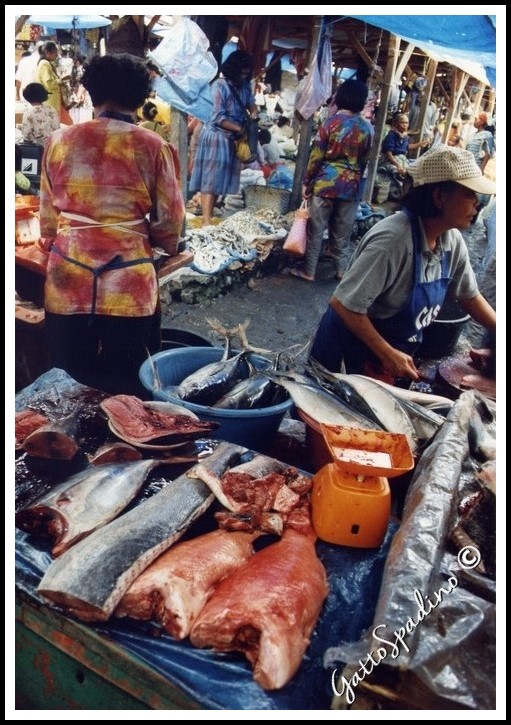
216	170
333	179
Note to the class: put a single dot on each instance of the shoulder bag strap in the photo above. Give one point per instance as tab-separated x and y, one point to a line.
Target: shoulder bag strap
238	98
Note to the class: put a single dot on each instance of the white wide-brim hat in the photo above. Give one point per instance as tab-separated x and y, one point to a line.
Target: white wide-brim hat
448	163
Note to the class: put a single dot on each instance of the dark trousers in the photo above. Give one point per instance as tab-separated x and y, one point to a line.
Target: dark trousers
103	351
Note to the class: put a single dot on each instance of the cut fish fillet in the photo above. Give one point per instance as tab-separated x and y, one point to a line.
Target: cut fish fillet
267	609
174	588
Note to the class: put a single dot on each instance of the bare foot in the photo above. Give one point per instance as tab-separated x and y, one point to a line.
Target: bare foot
301	275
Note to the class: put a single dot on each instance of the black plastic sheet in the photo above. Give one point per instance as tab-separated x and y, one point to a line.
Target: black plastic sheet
224	681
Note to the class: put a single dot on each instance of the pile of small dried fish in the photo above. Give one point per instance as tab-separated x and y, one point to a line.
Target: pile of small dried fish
248	226
231	241
210	256
273	219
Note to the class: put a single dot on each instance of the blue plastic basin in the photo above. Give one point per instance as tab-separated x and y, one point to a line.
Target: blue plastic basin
251	428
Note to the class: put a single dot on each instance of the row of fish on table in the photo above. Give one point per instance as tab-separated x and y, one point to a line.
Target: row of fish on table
213	588
216	589
329	398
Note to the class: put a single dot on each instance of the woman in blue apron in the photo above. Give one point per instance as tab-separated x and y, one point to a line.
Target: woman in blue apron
400	273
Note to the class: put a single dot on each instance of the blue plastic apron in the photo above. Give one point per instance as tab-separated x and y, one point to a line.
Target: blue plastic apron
334	342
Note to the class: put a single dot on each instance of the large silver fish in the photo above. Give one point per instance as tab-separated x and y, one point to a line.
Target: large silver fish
84	502
415	396
386	407
426	422
256	391
206	385
322	406
90	578
343	389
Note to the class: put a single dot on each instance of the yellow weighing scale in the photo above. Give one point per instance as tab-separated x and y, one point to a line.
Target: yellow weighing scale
350	501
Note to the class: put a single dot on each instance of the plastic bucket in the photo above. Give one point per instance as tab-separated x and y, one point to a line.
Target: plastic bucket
253	428
172	337
442	336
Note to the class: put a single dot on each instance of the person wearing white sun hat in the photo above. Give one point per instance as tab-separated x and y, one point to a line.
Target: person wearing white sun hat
399	275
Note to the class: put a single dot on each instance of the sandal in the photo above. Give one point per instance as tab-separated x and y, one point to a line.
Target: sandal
300	275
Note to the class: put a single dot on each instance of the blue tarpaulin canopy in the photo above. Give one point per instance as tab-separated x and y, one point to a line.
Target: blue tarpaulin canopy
457	39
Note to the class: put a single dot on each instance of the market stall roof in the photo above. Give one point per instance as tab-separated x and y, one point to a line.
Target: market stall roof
68	22
466	41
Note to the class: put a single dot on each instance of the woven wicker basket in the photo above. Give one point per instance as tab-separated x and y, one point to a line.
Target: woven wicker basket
267	197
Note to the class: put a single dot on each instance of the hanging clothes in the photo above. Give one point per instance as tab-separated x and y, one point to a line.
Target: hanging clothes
255	38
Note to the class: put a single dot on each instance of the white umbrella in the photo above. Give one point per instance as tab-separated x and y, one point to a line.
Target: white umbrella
75	22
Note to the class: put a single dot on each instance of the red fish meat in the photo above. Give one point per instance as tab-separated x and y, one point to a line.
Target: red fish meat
140	423
56	440
174	588
26	422
267	609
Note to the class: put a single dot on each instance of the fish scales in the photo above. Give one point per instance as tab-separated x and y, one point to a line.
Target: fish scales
90	578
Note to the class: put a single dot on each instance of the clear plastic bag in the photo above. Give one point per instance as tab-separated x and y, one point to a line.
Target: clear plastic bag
186	62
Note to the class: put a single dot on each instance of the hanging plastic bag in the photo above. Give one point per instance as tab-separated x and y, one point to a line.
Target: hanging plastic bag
187	67
296	242
243	151
246	146
318	84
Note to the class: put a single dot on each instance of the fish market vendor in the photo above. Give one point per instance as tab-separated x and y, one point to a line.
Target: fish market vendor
110	195
399	275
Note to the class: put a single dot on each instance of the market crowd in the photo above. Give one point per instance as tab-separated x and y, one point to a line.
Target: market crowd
100	123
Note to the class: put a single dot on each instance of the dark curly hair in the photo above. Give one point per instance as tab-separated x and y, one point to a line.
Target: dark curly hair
264	136
149	110
122	79
351	95
233	65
